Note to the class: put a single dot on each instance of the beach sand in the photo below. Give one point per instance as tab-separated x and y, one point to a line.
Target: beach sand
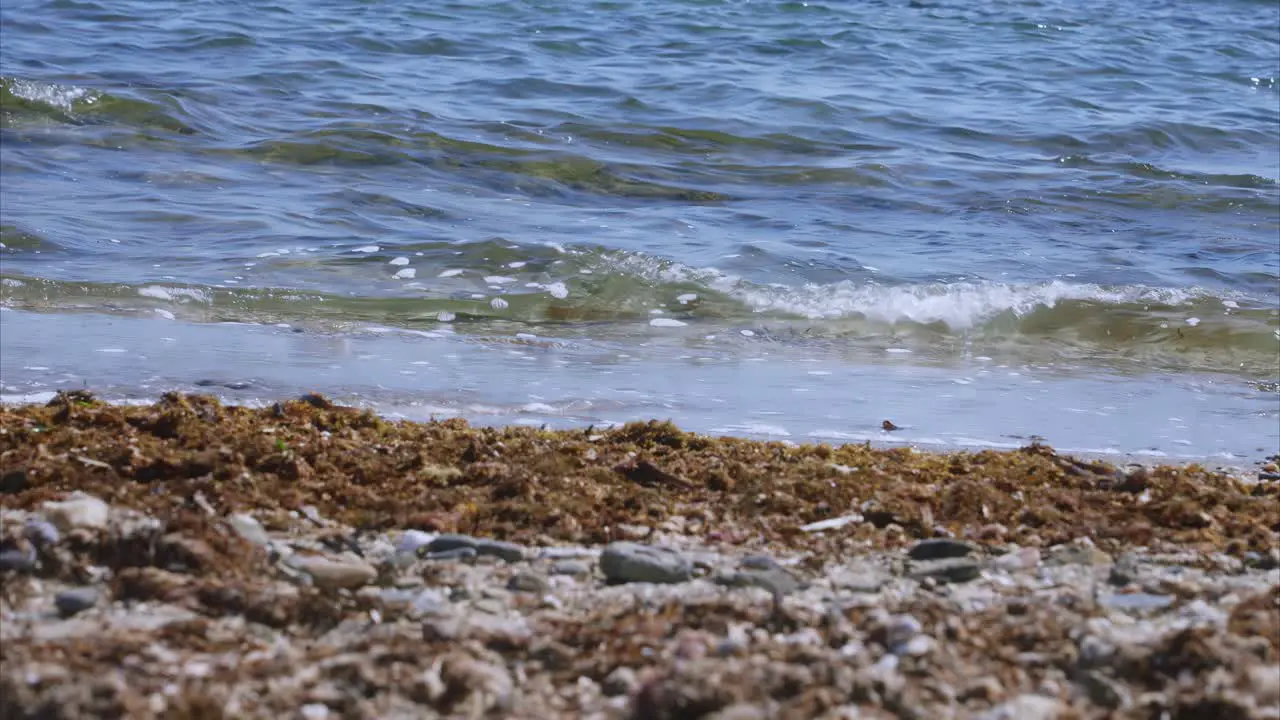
188	559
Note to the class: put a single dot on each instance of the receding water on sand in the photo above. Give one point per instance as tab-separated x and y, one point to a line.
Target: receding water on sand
768	390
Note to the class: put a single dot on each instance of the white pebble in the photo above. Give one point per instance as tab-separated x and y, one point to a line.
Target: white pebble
748	333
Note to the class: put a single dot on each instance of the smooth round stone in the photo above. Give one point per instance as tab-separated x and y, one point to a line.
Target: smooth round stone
450	541
79	510
71	602
18	560
507	551
948	570
576	568
41	533
336	574
456	553
248	528
528	582
939	548
623	562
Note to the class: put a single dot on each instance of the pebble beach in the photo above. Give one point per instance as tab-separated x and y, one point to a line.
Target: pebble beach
187	559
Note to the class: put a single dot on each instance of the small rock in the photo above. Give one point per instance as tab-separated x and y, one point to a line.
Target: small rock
622	681
570	567
18	560
1103	690
248	527
1078	555
633	532
528	582
940	548
1125	571
831	523
567	553
948	570
1027	707
1020	559
915	647
457	553
71	602
778	582
1136	602
412	540
900	629
429	601
508	551
41	533
336	574
447	542
624	562
314	711
759	562
740	711
79	510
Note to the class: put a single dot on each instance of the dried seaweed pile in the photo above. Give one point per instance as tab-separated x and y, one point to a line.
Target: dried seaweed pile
1090	591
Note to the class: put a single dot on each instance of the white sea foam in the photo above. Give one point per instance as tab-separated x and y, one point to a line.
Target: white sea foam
958	305
58	96
173	294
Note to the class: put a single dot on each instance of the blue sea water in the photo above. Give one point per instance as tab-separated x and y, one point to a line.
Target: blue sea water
992	218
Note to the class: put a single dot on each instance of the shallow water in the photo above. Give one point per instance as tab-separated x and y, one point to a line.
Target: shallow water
902	193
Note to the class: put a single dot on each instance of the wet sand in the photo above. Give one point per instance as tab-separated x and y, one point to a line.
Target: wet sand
189	559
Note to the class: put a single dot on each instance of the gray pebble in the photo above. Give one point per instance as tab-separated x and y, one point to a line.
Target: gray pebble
777	581
528	582
445	543
624	562
456	553
248	527
70	602
622	681
1125	571
566	553
41	533
759	562
939	548
948	570
570	567
508	551
1136	602
18	560
412	540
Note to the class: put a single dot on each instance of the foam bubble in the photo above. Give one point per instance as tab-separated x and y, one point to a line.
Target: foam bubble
171	294
399	261
667	322
405	274
558	290
450	273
